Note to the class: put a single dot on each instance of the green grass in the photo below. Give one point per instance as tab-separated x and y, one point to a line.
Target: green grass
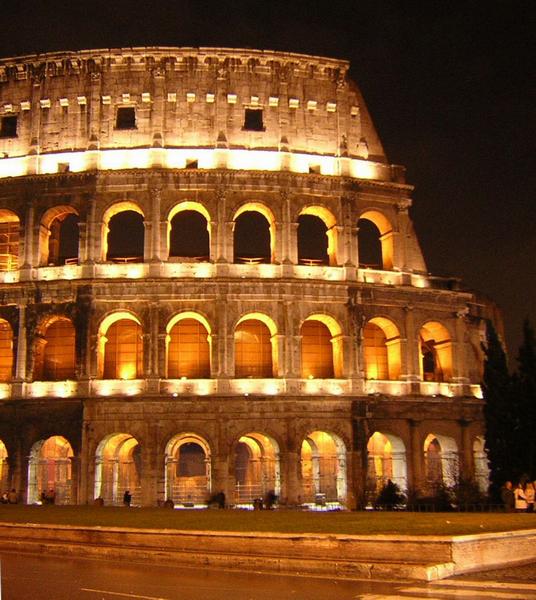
358	523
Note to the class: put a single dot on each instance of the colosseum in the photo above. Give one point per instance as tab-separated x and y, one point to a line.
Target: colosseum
210	282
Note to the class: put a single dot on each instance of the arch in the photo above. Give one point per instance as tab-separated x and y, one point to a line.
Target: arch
188	346
441	462
386	461
118	469
4	468
384	238
9	240
435	350
6	351
321	347
55	356
50	470
381	349
58	236
256	467
120	346
191	237
255	343
188	469
481	462
305	246
252	242
323	468
122	242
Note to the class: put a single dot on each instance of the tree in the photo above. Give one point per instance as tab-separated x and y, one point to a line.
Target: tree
526	398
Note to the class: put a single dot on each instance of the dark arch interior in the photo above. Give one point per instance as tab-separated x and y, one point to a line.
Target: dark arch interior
312	240
191	460
369	245
189	236
68	239
242	456
252	238
125	237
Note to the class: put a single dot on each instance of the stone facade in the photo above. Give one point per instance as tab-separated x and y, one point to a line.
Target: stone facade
373	370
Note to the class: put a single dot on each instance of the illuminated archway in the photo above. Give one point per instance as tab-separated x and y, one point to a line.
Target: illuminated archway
6	351
441	463
256	467
123	233
58	236
480	459
54	358
386	461
188	469
321	347
435	349
120	347
9	240
381	349
118	469
384	238
254	234
50	469
188	234
255	346
309	228
4	468
188	344
323	468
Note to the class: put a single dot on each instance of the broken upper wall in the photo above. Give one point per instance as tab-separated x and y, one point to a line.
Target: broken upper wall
184	98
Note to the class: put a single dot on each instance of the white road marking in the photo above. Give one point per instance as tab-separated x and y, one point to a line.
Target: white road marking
485	584
124	595
470	593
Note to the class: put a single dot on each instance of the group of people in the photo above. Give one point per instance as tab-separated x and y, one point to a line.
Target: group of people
519	499
10	497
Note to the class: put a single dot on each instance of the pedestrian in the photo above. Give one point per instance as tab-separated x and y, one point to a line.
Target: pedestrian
4	499
530	494
127	498
507	496
12	497
520	498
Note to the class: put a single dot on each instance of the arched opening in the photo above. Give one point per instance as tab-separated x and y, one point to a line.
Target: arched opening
58	236
480	458
9	240
188	347
6	351
118	469
317	237
441	463
321	348
256	467
323	468
255	347
375	241
123	233
386	461
435	348
121	347
189	232
188	477
50	471
381	349
54	357
252	238
4	468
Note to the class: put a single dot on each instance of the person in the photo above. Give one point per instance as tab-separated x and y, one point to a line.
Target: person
12	497
50	496
127	498
520	498
530	494
4	499
270	499
507	496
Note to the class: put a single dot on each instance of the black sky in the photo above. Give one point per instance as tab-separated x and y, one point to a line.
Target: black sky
450	86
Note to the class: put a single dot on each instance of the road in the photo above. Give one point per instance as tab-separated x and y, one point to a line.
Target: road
31	577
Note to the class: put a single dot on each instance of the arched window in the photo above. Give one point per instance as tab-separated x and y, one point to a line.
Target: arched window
55	352
317	355
381	349
6	351
253	349
375	241
480	458
50	471
256	465
435	348
122	346
123	233
317	237
58	237
440	461
4	467
386	461
9	240
188	350
252	238
189	236
188	473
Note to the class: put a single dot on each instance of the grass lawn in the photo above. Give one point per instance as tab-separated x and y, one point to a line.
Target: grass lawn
287	521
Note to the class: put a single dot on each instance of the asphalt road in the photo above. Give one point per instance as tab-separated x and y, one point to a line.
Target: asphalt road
30	577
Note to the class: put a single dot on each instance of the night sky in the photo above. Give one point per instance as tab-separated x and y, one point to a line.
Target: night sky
450	86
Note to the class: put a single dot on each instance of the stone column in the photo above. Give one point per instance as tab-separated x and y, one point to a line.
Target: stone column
467	467
149	468
410	358
28	237
417	456
154	252
20	368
